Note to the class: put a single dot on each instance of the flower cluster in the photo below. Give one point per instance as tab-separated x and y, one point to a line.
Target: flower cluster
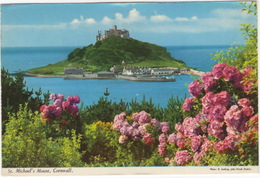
222	121
142	128
60	105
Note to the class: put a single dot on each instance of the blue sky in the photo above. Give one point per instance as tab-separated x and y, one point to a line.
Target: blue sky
190	23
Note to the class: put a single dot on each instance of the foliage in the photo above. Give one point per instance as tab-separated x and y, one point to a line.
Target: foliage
112	51
238	55
15	93
105	110
99	144
25	144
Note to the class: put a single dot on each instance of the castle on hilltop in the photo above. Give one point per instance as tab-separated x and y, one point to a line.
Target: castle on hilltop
114	32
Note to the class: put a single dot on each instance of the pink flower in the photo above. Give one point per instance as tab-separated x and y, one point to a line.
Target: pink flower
66	105
57	103
217	70
232	74
122	139
233	116
207	145
161	149
135	133
42	107
119	121
172	138
208	81
58	111
135	117
197	157
74	110
190	127
188	104
179	128
135	124
142	130
144	117
244	102
229	143
216	129
130	131
51	109
207	102
246	70
70	100
196	143
45	112
76	99
165	127
53	97
247	86
60	96
148	139
223	98
155	122
195	88
181	141
123	130
247	111
162	138
182	157
217	113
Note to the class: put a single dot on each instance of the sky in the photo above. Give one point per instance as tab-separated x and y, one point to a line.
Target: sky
166	24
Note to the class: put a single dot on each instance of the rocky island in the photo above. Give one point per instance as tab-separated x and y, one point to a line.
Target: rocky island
115	55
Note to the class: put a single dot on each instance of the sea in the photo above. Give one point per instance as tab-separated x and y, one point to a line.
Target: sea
16	59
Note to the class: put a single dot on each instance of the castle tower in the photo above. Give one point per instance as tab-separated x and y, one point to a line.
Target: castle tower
115	27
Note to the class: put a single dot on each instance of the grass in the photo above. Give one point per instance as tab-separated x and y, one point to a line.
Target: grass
154	64
58	68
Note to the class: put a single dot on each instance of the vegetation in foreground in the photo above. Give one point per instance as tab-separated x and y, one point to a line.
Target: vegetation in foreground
216	126
112	51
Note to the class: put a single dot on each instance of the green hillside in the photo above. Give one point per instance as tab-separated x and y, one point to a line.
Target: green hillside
112	51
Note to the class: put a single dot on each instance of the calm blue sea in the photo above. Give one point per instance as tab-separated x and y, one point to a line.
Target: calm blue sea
24	58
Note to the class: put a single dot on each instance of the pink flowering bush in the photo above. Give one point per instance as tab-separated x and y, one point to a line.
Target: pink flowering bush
222	120
140	126
62	112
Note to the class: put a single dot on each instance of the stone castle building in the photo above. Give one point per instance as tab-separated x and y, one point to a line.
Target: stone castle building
114	32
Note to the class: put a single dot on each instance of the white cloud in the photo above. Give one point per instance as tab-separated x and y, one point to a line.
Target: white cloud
133	16
75	21
194	18
106	20
160	18
81	21
90	21
182	19
229	13
219	20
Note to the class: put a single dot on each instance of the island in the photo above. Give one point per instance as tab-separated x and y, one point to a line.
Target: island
115	55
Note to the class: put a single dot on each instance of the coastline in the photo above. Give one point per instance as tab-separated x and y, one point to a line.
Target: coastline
124	77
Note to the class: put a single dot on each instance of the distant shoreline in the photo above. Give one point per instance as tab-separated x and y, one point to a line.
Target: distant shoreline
124	77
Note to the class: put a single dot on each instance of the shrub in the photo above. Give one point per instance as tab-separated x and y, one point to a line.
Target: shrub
139	139
225	125
15	93
62	116
99	144
25	144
